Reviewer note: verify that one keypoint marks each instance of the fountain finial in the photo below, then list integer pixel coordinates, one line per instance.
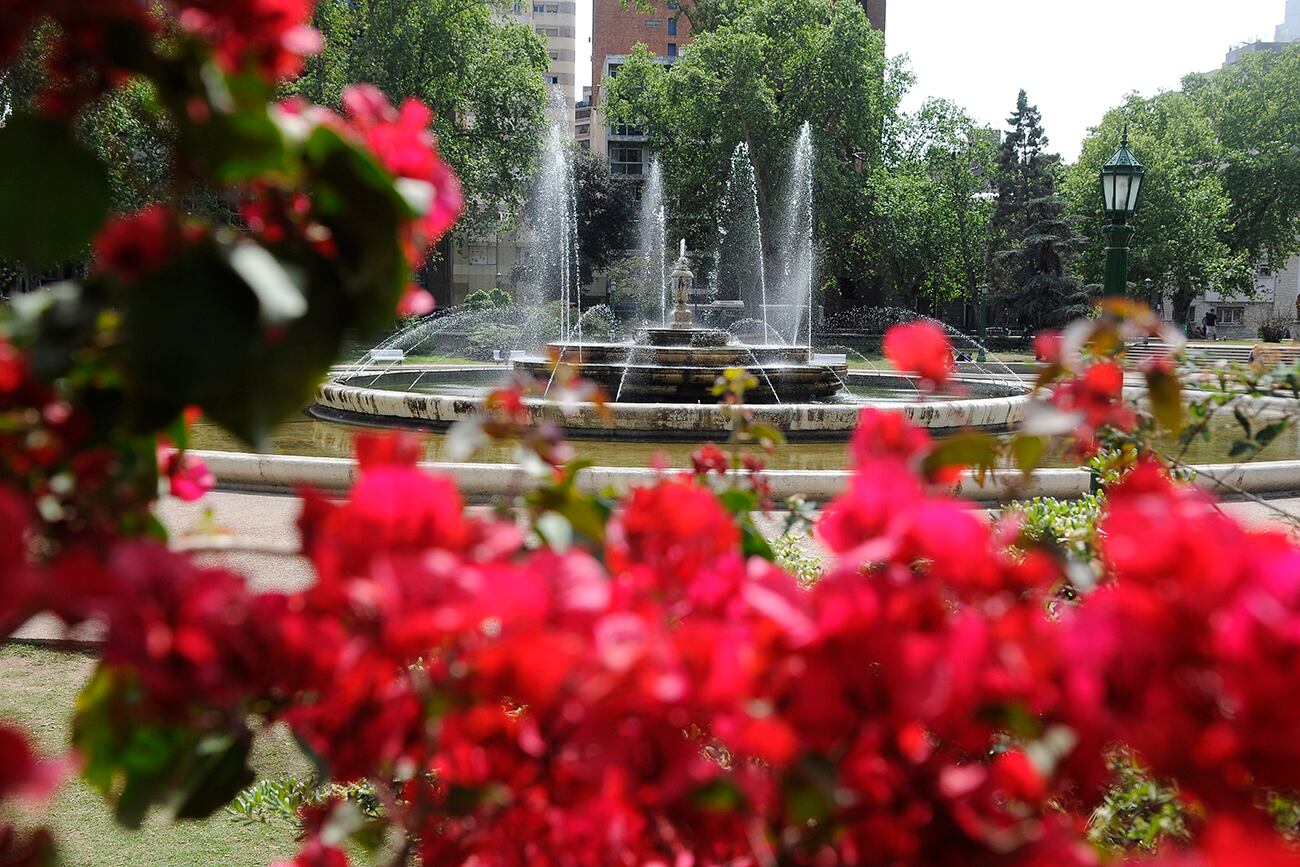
(682, 279)
(681, 249)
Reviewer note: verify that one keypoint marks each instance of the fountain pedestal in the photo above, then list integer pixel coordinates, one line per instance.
(682, 362)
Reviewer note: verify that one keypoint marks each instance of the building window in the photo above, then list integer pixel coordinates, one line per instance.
(547, 31)
(625, 160)
(672, 26)
(553, 8)
(672, 49)
(1263, 271)
(626, 130)
(1231, 317)
(582, 129)
(555, 55)
(654, 22)
(482, 254)
(539, 8)
(552, 79)
(519, 8)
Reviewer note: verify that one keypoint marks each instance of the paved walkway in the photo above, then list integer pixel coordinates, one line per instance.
(263, 524)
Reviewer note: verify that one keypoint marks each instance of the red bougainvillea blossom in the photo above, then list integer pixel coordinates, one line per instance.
(922, 348)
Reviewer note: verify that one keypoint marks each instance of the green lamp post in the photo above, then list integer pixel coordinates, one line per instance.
(1121, 183)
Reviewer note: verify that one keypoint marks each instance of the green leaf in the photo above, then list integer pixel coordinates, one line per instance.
(1166, 399)
(278, 287)
(55, 192)
(760, 431)
(1028, 451)
(356, 199)
(975, 450)
(738, 501)
(753, 543)
(218, 771)
(206, 345)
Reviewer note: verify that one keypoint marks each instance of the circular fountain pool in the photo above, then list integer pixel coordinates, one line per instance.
(433, 398)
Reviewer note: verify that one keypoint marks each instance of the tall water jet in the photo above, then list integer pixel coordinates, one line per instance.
(552, 269)
(797, 254)
(651, 237)
(738, 261)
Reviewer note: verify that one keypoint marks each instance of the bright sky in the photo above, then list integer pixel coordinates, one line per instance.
(1065, 53)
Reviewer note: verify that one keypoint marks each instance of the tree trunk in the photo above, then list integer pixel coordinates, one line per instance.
(1184, 295)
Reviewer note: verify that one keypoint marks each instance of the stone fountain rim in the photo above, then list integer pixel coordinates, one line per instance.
(344, 402)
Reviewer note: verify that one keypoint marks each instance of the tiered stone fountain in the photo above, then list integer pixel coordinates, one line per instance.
(680, 362)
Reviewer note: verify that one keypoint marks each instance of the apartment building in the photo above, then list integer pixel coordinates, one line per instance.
(556, 21)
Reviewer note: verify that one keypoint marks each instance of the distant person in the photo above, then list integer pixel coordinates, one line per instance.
(1211, 323)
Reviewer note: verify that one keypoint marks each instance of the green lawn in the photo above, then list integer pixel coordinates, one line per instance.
(37, 690)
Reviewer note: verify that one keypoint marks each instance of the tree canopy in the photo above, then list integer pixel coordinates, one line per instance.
(482, 78)
(1254, 109)
(1184, 223)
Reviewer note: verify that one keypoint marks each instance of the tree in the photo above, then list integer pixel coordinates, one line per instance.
(755, 78)
(1032, 241)
(481, 77)
(1184, 226)
(1254, 111)
(606, 208)
(934, 206)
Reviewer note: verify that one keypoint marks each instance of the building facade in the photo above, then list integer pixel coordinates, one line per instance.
(616, 29)
(556, 21)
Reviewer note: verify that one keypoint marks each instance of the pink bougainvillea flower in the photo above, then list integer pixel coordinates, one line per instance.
(1047, 347)
(272, 36)
(708, 458)
(22, 774)
(130, 246)
(415, 302)
(922, 348)
(188, 476)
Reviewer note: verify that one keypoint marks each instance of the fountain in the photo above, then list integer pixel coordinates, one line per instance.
(682, 361)
(660, 380)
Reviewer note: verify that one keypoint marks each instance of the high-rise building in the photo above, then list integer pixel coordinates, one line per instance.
(1289, 30)
(1286, 33)
(876, 13)
(556, 21)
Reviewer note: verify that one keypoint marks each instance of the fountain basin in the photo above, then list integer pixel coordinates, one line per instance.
(450, 395)
(681, 365)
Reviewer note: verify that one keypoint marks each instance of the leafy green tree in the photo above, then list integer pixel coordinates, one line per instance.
(760, 71)
(606, 210)
(1184, 225)
(1254, 109)
(934, 205)
(481, 76)
(1032, 240)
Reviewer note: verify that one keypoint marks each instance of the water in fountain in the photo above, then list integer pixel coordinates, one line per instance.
(651, 238)
(793, 299)
(738, 260)
(551, 273)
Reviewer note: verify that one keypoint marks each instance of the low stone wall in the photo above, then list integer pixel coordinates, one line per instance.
(480, 482)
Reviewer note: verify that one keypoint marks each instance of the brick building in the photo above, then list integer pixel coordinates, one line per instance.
(616, 28)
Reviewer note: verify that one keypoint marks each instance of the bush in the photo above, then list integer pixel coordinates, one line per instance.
(1275, 329)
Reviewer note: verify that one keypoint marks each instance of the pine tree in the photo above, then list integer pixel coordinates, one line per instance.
(1032, 241)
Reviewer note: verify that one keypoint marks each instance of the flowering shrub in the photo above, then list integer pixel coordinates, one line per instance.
(647, 687)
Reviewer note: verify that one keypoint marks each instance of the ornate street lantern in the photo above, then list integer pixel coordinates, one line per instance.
(1121, 184)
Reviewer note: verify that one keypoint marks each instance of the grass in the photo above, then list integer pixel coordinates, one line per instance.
(38, 689)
